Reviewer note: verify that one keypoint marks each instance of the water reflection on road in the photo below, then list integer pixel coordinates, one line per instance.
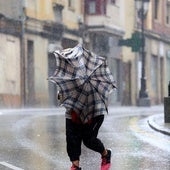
(37, 142)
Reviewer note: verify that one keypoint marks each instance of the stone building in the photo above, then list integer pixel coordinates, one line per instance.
(129, 80)
(104, 23)
(32, 30)
(9, 56)
(159, 50)
(157, 45)
(157, 34)
(44, 27)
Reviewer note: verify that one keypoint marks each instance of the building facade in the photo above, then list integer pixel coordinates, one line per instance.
(103, 34)
(157, 34)
(129, 70)
(9, 57)
(31, 30)
(159, 49)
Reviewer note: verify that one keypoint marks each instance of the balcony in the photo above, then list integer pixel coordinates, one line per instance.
(99, 14)
(103, 23)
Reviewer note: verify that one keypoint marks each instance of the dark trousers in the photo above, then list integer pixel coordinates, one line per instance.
(76, 133)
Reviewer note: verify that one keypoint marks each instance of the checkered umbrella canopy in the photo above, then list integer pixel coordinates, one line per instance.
(84, 80)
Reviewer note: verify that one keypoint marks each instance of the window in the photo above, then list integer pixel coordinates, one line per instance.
(139, 72)
(162, 78)
(30, 73)
(96, 6)
(92, 7)
(100, 43)
(154, 73)
(168, 12)
(113, 1)
(168, 66)
(103, 7)
(71, 4)
(156, 9)
(58, 12)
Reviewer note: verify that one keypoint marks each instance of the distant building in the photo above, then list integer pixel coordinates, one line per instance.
(10, 55)
(157, 32)
(105, 26)
(31, 30)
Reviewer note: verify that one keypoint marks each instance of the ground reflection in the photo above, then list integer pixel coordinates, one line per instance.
(37, 142)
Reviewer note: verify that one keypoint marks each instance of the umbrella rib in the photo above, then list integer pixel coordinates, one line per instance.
(99, 95)
(95, 69)
(105, 81)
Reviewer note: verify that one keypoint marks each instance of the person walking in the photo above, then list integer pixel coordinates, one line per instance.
(77, 132)
(85, 83)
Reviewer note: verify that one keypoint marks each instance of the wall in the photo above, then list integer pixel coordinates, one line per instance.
(157, 46)
(10, 71)
(11, 8)
(129, 58)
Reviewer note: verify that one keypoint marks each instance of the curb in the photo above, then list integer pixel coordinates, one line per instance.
(155, 126)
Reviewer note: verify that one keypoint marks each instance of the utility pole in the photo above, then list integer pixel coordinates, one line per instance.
(142, 7)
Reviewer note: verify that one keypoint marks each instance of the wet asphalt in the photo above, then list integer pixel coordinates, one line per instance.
(34, 139)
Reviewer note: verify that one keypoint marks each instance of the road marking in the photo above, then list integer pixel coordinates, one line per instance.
(10, 166)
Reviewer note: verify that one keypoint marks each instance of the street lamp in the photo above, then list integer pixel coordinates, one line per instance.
(142, 9)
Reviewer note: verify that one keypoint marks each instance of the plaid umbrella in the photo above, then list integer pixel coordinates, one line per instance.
(84, 80)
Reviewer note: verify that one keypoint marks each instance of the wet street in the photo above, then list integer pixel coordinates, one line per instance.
(34, 139)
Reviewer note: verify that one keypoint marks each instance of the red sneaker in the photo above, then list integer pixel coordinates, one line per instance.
(75, 168)
(106, 161)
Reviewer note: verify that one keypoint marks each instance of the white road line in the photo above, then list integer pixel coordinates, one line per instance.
(10, 166)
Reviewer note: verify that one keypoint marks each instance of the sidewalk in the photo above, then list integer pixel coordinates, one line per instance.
(157, 123)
